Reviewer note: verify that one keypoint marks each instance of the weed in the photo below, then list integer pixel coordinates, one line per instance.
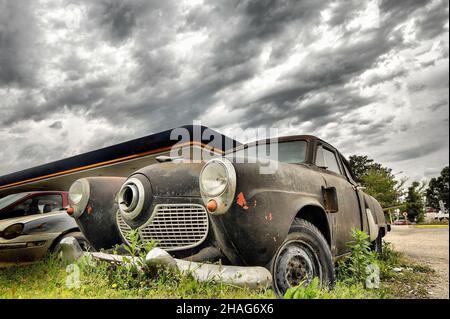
(355, 268)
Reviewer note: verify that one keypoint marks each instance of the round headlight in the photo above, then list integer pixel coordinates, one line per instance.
(12, 231)
(131, 198)
(76, 193)
(218, 185)
(79, 196)
(214, 178)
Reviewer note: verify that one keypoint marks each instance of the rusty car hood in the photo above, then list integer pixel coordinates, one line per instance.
(174, 179)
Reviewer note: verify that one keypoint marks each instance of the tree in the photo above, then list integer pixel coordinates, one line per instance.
(414, 202)
(438, 189)
(381, 185)
(377, 179)
(361, 164)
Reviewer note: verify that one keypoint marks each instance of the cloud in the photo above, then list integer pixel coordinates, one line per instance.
(19, 34)
(414, 152)
(56, 125)
(363, 75)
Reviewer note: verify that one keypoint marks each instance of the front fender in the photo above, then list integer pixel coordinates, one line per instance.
(260, 218)
(98, 220)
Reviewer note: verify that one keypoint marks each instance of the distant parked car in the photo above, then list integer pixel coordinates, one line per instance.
(441, 215)
(401, 222)
(32, 224)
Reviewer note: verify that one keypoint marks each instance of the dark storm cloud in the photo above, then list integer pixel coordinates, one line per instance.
(18, 34)
(78, 97)
(56, 125)
(125, 64)
(343, 12)
(117, 18)
(432, 23)
(437, 105)
(415, 152)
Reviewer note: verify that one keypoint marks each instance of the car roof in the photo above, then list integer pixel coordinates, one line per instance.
(309, 138)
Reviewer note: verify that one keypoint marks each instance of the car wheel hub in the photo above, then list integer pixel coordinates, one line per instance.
(296, 265)
(299, 268)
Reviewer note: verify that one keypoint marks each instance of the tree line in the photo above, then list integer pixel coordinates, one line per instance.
(380, 182)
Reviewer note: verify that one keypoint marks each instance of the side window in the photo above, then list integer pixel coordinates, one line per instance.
(47, 203)
(327, 159)
(36, 205)
(19, 210)
(347, 171)
(320, 160)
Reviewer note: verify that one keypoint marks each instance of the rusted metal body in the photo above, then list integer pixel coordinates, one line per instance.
(264, 207)
(99, 218)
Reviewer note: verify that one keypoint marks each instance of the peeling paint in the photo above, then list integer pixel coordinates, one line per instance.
(241, 201)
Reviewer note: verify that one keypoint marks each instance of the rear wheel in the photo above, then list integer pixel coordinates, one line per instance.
(304, 255)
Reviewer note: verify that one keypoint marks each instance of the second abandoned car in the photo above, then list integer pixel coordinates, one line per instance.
(32, 224)
(295, 221)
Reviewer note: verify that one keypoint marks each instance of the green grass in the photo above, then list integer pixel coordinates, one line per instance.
(47, 279)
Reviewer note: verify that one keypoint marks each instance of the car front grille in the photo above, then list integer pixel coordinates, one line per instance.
(173, 226)
(123, 227)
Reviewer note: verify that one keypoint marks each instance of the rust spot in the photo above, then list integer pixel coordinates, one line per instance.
(89, 210)
(269, 216)
(254, 203)
(241, 201)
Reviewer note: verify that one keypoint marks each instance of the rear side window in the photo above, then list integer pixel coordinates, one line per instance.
(48, 203)
(327, 159)
(40, 204)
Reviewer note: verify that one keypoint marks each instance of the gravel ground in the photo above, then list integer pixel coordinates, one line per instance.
(428, 246)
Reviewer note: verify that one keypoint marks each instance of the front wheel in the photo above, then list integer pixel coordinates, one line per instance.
(304, 255)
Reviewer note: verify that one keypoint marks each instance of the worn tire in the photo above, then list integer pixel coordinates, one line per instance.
(303, 255)
(78, 236)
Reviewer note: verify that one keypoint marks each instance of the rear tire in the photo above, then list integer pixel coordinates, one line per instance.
(303, 255)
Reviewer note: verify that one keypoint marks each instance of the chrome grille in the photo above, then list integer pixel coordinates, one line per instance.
(173, 226)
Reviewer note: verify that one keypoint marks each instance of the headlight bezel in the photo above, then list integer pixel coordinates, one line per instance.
(82, 196)
(202, 182)
(224, 198)
(132, 211)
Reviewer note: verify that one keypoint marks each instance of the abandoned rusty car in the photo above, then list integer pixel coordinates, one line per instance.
(295, 220)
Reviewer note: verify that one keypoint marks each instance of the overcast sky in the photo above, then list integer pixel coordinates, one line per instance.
(369, 77)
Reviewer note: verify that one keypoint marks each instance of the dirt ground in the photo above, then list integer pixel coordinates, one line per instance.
(428, 246)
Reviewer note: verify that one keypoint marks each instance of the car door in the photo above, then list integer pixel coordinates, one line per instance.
(348, 215)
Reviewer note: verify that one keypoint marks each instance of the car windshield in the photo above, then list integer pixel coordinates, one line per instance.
(293, 152)
(8, 200)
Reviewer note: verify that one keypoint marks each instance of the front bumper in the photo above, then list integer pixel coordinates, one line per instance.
(252, 277)
(26, 248)
(23, 252)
